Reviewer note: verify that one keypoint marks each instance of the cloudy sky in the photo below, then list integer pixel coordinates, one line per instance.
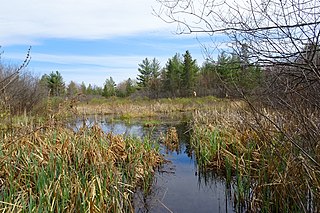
(89, 40)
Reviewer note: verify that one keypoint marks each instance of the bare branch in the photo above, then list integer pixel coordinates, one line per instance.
(15, 74)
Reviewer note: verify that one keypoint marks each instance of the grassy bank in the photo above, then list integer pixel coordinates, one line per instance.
(47, 167)
(270, 173)
(146, 108)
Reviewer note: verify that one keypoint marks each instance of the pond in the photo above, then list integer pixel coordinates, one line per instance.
(178, 185)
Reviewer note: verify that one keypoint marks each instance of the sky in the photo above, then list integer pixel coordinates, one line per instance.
(90, 40)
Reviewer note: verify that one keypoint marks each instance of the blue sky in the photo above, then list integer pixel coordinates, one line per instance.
(89, 41)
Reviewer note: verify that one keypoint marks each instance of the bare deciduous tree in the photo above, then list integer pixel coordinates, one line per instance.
(19, 90)
(282, 32)
(283, 38)
(280, 36)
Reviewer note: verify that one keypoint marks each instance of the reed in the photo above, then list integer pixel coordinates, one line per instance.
(146, 108)
(266, 170)
(48, 167)
(171, 140)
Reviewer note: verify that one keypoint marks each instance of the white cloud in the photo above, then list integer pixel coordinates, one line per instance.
(81, 68)
(103, 61)
(35, 22)
(88, 68)
(25, 21)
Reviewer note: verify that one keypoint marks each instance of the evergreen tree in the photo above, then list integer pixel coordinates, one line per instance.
(190, 70)
(130, 88)
(145, 70)
(89, 90)
(149, 71)
(125, 88)
(96, 90)
(72, 89)
(83, 88)
(236, 72)
(208, 81)
(109, 88)
(222, 64)
(172, 76)
(155, 68)
(54, 83)
(154, 84)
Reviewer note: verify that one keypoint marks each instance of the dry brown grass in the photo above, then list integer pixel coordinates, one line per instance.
(171, 139)
(269, 171)
(48, 167)
(126, 108)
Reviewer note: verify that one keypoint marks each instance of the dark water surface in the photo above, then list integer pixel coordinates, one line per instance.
(178, 185)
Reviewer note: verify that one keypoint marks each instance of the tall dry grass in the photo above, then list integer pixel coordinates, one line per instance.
(270, 171)
(48, 167)
(140, 108)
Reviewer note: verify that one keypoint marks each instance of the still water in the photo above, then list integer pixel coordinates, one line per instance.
(178, 185)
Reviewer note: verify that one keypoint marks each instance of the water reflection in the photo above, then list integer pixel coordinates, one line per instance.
(178, 186)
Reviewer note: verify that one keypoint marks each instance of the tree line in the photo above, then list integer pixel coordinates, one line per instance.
(55, 86)
(181, 76)
(230, 75)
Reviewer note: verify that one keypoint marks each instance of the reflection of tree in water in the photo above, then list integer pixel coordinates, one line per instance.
(184, 136)
(206, 178)
(145, 201)
(151, 200)
(213, 179)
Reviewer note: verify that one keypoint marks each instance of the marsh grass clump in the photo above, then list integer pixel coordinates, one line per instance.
(268, 172)
(51, 168)
(151, 123)
(171, 139)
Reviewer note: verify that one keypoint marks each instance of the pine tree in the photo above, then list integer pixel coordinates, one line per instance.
(54, 83)
(173, 71)
(149, 76)
(109, 88)
(155, 68)
(72, 89)
(145, 70)
(129, 87)
(190, 70)
(83, 88)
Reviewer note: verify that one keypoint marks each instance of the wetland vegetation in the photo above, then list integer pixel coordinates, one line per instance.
(46, 166)
(252, 115)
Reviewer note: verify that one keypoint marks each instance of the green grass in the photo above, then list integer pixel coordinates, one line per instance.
(151, 123)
